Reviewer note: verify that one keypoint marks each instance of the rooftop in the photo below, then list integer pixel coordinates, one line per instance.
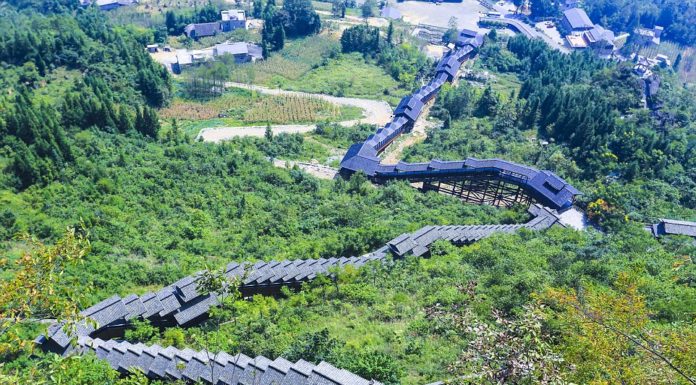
(391, 13)
(576, 41)
(577, 18)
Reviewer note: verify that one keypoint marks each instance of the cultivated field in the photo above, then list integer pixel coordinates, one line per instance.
(295, 60)
(248, 107)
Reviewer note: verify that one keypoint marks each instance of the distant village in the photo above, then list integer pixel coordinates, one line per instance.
(582, 34)
(574, 31)
(230, 20)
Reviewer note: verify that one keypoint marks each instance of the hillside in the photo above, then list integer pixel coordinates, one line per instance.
(133, 253)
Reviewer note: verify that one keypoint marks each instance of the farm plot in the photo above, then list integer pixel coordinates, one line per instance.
(669, 49)
(250, 107)
(296, 59)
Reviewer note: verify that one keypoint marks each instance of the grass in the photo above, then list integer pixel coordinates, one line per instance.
(687, 68)
(505, 84)
(322, 6)
(348, 75)
(314, 64)
(57, 83)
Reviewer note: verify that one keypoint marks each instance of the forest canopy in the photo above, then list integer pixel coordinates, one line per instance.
(100, 195)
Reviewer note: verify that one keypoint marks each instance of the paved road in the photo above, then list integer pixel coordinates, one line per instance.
(523, 28)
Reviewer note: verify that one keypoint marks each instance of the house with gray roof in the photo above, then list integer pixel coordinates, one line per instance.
(107, 5)
(673, 227)
(575, 20)
(243, 52)
(229, 21)
(600, 39)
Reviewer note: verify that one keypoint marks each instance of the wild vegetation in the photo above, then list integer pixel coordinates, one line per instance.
(87, 144)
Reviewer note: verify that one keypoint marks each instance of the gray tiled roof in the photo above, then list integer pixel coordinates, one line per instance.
(577, 18)
(542, 186)
(159, 363)
(107, 311)
(673, 227)
(418, 243)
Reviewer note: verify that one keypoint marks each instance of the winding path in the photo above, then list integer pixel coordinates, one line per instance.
(374, 112)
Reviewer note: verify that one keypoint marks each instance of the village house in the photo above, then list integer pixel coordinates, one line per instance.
(583, 33)
(390, 13)
(107, 5)
(241, 51)
(229, 21)
(646, 36)
(576, 21)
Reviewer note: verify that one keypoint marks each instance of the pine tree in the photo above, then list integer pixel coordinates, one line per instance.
(269, 133)
(279, 38)
(390, 33)
(170, 21)
(488, 103)
(258, 9)
(149, 123)
(125, 122)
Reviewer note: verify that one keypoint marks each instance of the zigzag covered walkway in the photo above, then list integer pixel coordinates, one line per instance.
(169, 363)
(182, 304)
(493, 181)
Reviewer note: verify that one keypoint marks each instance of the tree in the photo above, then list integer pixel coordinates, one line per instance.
(338, 8)
(279, 38)
(170, 21)
(367, 8)
(258, 9)
(125, 121)
(39, 287)
(147, 122)
(361, 38)
(450, 36)
(268, 135)
(390, 33)
(543, 8)
(299, 18)
(488, 103)
(609, 334)
(226, 292)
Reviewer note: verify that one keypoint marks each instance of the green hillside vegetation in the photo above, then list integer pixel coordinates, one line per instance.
(87, 145)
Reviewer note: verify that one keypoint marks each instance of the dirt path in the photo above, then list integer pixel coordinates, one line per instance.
(318, 170)
(216, 134)
(395, 151)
